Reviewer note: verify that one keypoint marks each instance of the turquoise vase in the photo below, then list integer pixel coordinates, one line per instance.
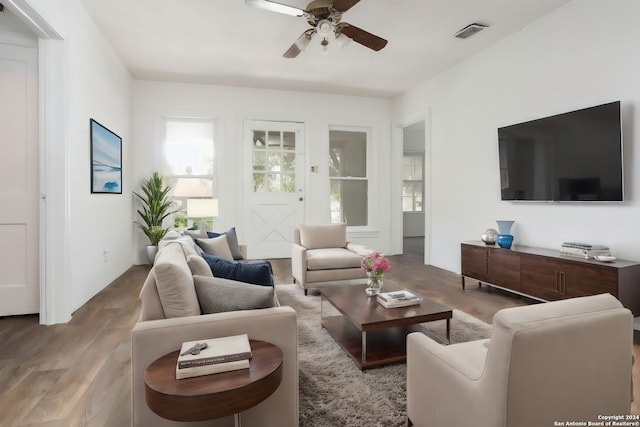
(505, 241)
(505, 238)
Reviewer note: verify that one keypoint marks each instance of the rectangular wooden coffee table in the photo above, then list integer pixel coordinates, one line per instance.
(371, 334)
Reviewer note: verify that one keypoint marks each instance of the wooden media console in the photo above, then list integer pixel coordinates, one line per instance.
(546, 275)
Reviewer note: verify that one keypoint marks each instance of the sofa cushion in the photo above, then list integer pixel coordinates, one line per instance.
(232, 240)
(186, 241)
(323, 236)
(195, 234)
(198, 266)
(332, 258)
(172, 235)
(217, 295)
(175, 282)
(257, 273)
(217, 246)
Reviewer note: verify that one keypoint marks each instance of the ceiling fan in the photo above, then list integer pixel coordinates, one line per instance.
(325, 17)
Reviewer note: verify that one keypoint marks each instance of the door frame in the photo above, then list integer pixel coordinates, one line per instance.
(53, 147)
(396, 177)
(301, 177)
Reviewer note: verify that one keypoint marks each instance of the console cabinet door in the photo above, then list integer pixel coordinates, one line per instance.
(554, 279)
(584, 280)
(543, 278)
(504, 268)
(475, 262)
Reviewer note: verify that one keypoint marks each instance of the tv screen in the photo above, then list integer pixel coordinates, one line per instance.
(575, 156)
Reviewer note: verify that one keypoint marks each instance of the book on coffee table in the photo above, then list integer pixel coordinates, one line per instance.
(396, 299)
(205, 357)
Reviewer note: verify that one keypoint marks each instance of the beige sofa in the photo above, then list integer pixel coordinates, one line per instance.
(554, 362)
(171, 315)
(321, 256)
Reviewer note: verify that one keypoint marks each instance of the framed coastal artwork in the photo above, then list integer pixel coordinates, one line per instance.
(106, 160)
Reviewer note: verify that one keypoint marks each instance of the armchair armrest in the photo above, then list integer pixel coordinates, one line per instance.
(299, 263)
(359, 249)
(152, 339)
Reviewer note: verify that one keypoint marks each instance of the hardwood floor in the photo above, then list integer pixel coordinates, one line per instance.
(79, 374)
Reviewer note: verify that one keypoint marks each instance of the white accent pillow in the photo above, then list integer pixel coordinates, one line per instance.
(217, 246)
(199, 266)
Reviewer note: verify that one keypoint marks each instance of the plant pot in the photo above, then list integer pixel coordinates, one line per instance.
(152, 250)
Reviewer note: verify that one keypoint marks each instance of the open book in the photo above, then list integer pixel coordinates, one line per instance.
(395, 299)
(204, 357)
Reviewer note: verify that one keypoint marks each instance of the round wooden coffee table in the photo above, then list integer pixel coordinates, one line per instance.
(212, 396)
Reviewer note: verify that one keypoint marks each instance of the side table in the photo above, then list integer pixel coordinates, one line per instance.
(212, 396)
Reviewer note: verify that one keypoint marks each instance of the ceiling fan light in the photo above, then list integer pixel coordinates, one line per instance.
(343, 41)
(324, 27)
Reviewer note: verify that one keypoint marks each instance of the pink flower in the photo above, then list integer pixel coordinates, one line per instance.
(375, 263)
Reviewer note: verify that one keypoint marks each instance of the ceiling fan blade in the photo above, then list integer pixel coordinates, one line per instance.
(363, 37)
(299, 45)
(275, 7)
(344, 5)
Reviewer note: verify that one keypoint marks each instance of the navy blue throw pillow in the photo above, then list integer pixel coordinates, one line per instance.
(257, 273)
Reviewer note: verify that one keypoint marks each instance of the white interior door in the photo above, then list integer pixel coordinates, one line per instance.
(19, 265)
(274, 194)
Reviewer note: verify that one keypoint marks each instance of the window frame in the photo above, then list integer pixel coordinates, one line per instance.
(420, 182)
(172, 178)
(369, 176)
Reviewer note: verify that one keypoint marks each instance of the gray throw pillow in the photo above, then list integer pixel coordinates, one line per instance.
(217, 295)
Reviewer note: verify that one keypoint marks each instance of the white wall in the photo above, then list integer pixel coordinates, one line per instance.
(229, 107)
(581, 55)
(94, 84)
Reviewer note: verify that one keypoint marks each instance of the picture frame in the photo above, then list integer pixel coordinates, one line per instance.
(106, 160)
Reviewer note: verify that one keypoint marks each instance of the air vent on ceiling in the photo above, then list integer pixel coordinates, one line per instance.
(470, 30)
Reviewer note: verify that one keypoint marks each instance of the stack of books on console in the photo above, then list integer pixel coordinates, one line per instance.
(584, 250)
(212, 356)
(395, 299)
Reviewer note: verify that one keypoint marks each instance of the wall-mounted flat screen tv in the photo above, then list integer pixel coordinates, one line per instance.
(575, 156)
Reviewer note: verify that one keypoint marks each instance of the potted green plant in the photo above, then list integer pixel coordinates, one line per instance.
(156, 206)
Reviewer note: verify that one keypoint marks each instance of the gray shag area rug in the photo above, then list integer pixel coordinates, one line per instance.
(334, 391)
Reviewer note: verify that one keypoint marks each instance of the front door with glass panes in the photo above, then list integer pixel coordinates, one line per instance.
(274, 195)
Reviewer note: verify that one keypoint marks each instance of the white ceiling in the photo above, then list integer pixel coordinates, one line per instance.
(224, 42)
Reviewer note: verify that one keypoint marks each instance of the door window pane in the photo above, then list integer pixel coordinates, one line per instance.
(289, 141)
(274, 161)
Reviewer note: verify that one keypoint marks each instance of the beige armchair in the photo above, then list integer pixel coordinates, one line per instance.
(321, 256)
(560, 361)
